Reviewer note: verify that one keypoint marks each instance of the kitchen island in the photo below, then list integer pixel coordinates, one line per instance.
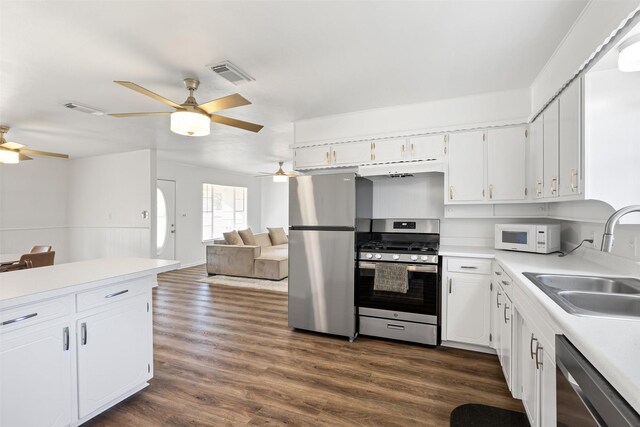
(75, 339)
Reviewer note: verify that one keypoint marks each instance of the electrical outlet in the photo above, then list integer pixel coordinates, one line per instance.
(593, 237)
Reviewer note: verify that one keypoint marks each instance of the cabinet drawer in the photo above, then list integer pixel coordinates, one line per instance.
(501, 276)
(112, 293)
(30, 314)
(398, 330)
(469, 265)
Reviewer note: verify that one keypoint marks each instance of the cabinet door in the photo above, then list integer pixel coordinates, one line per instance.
(35, 377)
(529, 373)
(494, 310)
(393, 150)
(312, 157)
(547, 388)
(468, 309)
(506, 152)
(352, 153)
(466, 166)
(428, 147)
(550, 143)
(536, 158)
(114, 353)
(570, 139)
(505, 338)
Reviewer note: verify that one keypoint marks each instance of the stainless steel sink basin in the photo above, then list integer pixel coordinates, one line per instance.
(591, 295)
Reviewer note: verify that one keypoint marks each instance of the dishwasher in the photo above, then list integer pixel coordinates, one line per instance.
(584, 397)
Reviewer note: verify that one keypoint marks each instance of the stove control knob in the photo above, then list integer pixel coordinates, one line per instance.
(424, 258)
(414, 257)
(378, 256)
(369, 256)
(396, 257)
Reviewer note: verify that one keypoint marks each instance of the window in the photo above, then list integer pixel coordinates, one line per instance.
(223, 209)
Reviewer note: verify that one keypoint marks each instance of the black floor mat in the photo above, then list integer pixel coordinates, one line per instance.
(474, 415)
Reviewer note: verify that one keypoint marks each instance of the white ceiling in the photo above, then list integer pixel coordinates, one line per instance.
(309, 59)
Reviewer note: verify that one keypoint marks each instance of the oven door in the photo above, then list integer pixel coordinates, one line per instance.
(421, 297)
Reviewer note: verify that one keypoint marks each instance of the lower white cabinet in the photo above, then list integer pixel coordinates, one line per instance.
(505, 350)
(466, 298)
(114, 352)
(35, 376)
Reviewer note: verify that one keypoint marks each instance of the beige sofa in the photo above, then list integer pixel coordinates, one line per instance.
(263, 261)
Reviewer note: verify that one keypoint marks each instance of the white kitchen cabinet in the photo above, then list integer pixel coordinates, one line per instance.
(536, 158)
(35, 375)
(551, 142)
(389, 150)
(547, 388)
(466, 167)
(570, 140)
(468, 309)
(428, 147)
(114, 352)
(506, 164)
(506, 334)
(351, 154)
(312, 157)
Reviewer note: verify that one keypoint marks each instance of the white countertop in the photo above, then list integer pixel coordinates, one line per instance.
(22, 286)
(611, 345)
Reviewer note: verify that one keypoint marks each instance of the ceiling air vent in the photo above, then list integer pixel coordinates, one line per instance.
(232, 73)
(83, 109)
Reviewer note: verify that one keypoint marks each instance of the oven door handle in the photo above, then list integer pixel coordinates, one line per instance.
(410, 267)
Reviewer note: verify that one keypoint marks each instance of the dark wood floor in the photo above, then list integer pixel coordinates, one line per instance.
(225, 356)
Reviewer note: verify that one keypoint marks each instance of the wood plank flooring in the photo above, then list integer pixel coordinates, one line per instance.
(225, 356)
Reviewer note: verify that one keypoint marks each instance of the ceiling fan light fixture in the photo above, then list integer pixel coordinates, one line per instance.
(190, 123)
(629, 54)
(280, 178)
(9, 156)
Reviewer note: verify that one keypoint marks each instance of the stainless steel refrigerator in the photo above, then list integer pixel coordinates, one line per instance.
(324, 212)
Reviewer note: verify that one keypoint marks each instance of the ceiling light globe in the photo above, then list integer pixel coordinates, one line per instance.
(7, 156)
(629, 55)
(280, 178)
(189, 123)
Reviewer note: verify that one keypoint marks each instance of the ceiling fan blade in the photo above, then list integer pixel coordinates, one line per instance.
(147, 92)
(12, 145)
(43, 153)
(231, 101)
(236, 123)
(22, 157)
(120, 115)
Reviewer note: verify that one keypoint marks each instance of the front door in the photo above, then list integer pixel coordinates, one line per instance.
(166, 239)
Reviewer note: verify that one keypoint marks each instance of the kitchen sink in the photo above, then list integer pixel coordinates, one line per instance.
(591, 295)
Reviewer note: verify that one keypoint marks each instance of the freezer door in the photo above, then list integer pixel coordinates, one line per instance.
(322, 200)
(321, 281)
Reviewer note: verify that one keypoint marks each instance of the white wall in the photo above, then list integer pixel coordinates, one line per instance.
(33, 206)
(274, 203)
(458, 113)
(107, 195)
(189, 179)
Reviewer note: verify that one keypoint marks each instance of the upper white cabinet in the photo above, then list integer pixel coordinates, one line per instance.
(536, 158)
(551, 141)
(506, 171)
(570, 172)
(466, 166)
(352, 154)
(312, 157)
(390, 150)
(428, 147)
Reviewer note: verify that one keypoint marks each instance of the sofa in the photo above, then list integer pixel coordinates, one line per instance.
(262, 260)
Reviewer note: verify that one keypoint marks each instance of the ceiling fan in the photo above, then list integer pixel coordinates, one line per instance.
(12, 152)
(280, 175)
(191, 118)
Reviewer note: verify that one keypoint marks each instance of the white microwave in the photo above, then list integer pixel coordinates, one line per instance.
(538, 238)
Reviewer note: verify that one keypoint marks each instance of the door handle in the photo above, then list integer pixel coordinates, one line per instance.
(574, 184)
(65, 339)
(449, 284)
(491, 191)
(469, 267)
(83, 334)
(498, 299)
(116, 294)
(531, 345)
(538, 362)
(396, 327)
(506, 307)
(18, 319)
(451, 192)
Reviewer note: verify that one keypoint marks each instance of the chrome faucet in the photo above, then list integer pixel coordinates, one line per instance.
(607, 238)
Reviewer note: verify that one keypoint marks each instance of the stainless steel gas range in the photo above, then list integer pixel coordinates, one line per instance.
(398, 281)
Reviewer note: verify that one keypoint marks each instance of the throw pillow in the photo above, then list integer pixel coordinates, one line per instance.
(233, 238)
(277, 236)
(247, 237)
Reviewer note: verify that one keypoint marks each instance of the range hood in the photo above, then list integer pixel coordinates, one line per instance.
(398, 170)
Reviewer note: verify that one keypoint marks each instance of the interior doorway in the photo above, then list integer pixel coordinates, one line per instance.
(166, 211)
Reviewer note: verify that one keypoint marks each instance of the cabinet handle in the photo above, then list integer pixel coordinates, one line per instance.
(327, 157)
(538, 361)
(445, 144)
(116, 294)
(506, 307)
(65, 339)
(396, 327)
(402, 148)
(498, 299)
(531, 345)
(412, 150)
(539, 188)
(469, 267)
(491, 191)
(498, 273)
(451, 192)
(449, 284)
(18, 319)
(574, 183)
(83, 334)
(335, 156)
(504, 282)
(554, 185)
